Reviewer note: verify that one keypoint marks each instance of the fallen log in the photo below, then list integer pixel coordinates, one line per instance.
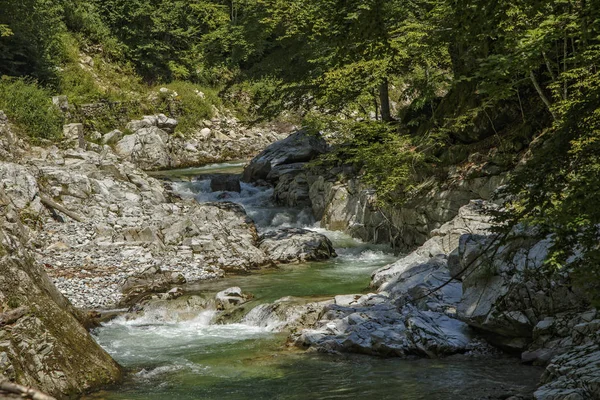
(23, 391)
(48, 202)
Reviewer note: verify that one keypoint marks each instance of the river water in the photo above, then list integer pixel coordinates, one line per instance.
(197, 359)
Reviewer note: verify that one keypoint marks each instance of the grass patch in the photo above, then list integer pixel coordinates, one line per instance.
(30, 108)
(193, 104)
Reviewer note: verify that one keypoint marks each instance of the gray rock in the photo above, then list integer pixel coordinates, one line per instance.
(63, 359)
(299, 147)
(112, 137)
(296, 245)
(225, 183)
(230, 298)
(147, 148)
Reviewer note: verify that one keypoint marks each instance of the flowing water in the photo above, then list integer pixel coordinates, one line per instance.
(196, 359)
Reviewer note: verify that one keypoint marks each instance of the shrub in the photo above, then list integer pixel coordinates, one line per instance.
(195, 103)
(30, 107)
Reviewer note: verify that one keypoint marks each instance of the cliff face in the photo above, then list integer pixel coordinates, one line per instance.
(42, 343)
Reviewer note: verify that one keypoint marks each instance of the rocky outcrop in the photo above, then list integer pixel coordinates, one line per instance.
(349, 206)
(153, 143)
(43, 344)
(230, 298)
(414, 311)
(284, 156)
(507, 292)
(296, 245)
(97, 220)
(223, 138)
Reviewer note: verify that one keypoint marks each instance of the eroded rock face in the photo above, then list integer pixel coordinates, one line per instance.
(414, 311)
(296, 245)
(120, 222)
(506, 291)
(300, 147)
(147, 147)
(43, 344)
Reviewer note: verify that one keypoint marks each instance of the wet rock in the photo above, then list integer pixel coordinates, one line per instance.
(299, 147)
(230, 298)
(225, 183)
(286, 314)
(296, 245)
(152, 280)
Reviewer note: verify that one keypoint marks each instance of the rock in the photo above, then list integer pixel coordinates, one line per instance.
(73, 133)
(299, 147)
(166, 124)
(225, 183)
(147, 148)
(506, 291)
(46, 347)
(136, 288)
(205, 133)
(296, 245)
(230, 298)
(112, 137)
(286, 314)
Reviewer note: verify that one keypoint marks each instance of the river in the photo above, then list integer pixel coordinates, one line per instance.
(198, 359)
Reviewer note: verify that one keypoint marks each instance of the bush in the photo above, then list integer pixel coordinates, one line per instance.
(30, 107)
(194, 103)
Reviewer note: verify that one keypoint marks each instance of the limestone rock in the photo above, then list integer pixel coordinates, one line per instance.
(147, 148)
(297, 148)
(296, 245)
(230, 298)
(112, 137)
(46, 347)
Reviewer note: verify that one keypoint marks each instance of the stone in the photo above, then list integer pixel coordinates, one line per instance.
(205, 133)
(112, 137)
(296, 245)
(229, 298)
(299, 147)
(166, 124)
(225, 183)
(147, 148)
(67, 361)
(74, 133)
(61, 102)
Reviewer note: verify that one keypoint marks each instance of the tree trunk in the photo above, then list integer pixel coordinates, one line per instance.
(384, 99)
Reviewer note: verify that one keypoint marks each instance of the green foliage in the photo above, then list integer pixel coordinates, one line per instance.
(29, 44)
(30, 108)
(192, 104)
(389, 161)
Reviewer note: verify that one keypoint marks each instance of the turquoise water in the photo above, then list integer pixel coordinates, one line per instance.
(197, 359)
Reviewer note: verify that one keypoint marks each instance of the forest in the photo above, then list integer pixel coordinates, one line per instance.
(405, 86)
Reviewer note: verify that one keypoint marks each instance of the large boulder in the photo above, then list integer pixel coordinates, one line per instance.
(147, 148)
(225, 183)
(374, 325)
(506, 289)
(43, 343)
(299, 147)
(296, 245)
